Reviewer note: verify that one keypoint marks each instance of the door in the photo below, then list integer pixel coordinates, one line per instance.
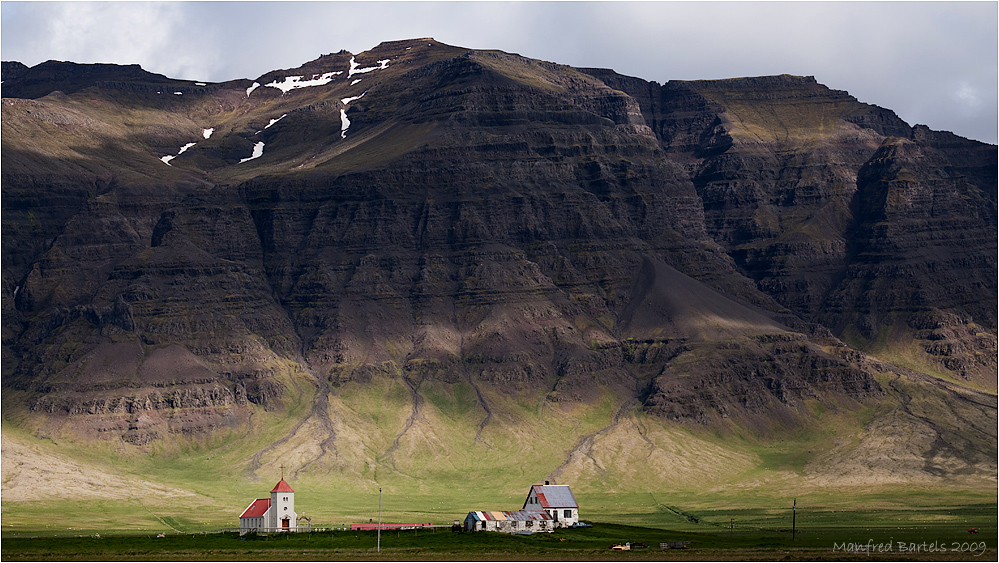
(285, 523)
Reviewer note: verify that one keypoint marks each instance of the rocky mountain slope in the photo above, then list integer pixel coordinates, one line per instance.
(422, 256)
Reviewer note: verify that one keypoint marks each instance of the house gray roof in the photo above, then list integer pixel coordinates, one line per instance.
(555, 496)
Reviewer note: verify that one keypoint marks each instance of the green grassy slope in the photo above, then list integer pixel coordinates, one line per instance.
(624, 466)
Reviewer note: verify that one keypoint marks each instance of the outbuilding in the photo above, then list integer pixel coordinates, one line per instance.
(509, 521)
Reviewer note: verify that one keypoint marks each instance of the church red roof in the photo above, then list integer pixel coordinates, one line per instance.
(282, 487)
(257, 508)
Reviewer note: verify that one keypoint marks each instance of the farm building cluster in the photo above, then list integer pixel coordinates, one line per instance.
(546, 508)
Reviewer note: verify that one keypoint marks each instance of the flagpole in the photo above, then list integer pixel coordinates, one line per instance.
(379, 548)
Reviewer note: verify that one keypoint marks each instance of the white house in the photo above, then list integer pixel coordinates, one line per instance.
(556, 500)
(275, 514)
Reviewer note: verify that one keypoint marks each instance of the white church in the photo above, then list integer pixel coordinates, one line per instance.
(275, 514)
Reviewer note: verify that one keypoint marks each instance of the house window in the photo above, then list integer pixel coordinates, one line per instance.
(286, 499)
(567, 514)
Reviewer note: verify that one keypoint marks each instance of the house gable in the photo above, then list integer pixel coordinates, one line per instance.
(550, 496)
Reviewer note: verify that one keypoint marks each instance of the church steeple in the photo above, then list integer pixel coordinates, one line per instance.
(282, 511)
(282, 487)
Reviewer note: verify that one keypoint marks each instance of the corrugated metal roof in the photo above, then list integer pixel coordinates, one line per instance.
(534, 515)
(507, 515)
(555, 496)
(480, 515)
(257, 508)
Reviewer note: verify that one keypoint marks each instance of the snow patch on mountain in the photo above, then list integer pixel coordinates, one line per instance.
(382, 64)
(273, 121)
(344, 122)
(208, 132)
(292, 82)
(258, 151)
(166, 159)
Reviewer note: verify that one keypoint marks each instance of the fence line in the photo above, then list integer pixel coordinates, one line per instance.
(340, 528)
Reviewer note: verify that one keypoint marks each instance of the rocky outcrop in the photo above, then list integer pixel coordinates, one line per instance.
(861, 226)
(67, 77)
(173, 399)
(759, 384)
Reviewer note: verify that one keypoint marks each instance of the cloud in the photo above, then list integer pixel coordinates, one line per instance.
(105, 31)
(156, 35)
(967, 96)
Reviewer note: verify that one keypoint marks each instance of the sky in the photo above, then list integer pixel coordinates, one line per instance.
(933, 63)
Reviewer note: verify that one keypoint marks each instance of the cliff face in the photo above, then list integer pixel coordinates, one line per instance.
(491, 226)
(842, 212)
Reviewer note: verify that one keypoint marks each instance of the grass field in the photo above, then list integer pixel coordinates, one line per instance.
(937, 541)
(640, 479)
(904, 525)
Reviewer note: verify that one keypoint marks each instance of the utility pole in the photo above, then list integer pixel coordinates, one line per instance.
(794, 513)
(379, 545)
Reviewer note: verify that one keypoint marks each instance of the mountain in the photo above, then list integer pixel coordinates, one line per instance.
(405, 265)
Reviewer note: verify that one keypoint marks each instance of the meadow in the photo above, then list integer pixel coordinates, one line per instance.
(904, 526)
(729, 497)
(930, 542)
